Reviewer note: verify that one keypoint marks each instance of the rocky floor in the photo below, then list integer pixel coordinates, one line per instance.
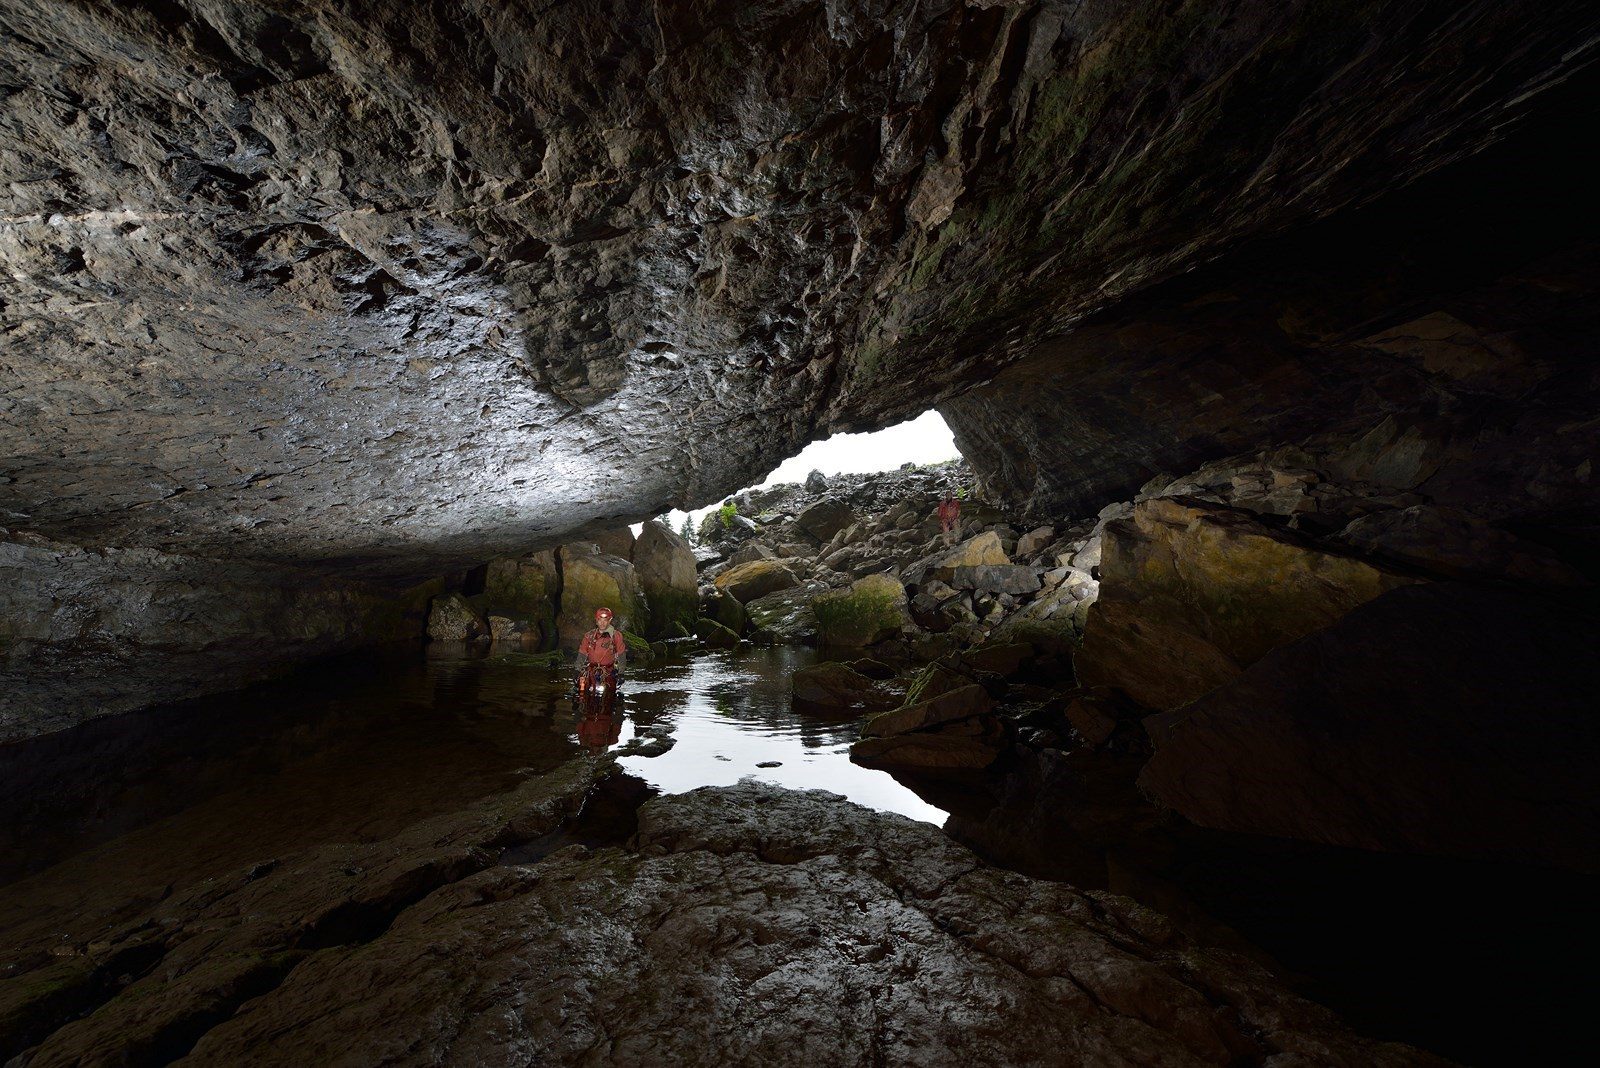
(739, 925)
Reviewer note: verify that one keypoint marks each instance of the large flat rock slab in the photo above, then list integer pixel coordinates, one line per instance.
(753, 925)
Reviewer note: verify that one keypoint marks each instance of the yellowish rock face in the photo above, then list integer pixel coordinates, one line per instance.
(755, 578)
(1191, 594)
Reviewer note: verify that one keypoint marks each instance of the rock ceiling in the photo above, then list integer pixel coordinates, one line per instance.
(388, 286)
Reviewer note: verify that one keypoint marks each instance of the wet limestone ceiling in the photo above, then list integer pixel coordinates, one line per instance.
(389, 286)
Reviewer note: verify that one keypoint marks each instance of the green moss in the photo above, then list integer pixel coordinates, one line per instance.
(638, 648)
(714, 634)
(871, 610)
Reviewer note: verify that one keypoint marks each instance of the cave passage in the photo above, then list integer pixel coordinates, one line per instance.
(1078, 525)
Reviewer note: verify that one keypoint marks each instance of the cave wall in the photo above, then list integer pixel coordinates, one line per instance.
(1458, 315)
(85, 633)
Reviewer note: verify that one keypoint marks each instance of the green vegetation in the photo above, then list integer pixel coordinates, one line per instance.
(726, 513)
(872, 609)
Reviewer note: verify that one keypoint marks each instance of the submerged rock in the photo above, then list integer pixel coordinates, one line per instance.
(831, 685)
(972, 745)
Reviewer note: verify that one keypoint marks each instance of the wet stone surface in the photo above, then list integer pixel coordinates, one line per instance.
(442, 860)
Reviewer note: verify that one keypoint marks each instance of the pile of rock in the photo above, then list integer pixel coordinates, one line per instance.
(857, 561)
(547, 599)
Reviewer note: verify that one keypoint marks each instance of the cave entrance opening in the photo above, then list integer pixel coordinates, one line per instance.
(922, 441)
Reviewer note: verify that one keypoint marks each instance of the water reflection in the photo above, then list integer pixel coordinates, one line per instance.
(360, 749)
(730, 716)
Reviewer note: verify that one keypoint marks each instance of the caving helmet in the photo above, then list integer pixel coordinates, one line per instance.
(602, 617)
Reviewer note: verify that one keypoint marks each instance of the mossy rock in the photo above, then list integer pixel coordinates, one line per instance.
(871, 610)
(727, 609)
(786, 616)
(639, 648)
(454, 618)
(592, 580)
(756, 578)
(525, 587)
(714, 634)
(933, 680)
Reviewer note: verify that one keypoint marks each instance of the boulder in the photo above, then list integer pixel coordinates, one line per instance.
(1000, 658)
(786, 616)
(506, 629)
(453, 618)
(871, 609)
(872, 669)
(932, 751)
(963, 702)
(725, 608)
(1191, 593)
(714, 634)
(717, 530)
(937, 678)
(615, 542)
(1034, 541)
(591, 579)
(1093, 716)
(665, 566)
(976, 551)
(527, 588)
(825, 518)
(640, 651)
(995, 578)
(751, 550)
(837, 687)
(1479, 741)
(755, 579)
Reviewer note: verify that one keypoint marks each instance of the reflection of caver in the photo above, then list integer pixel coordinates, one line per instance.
(599, 726)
